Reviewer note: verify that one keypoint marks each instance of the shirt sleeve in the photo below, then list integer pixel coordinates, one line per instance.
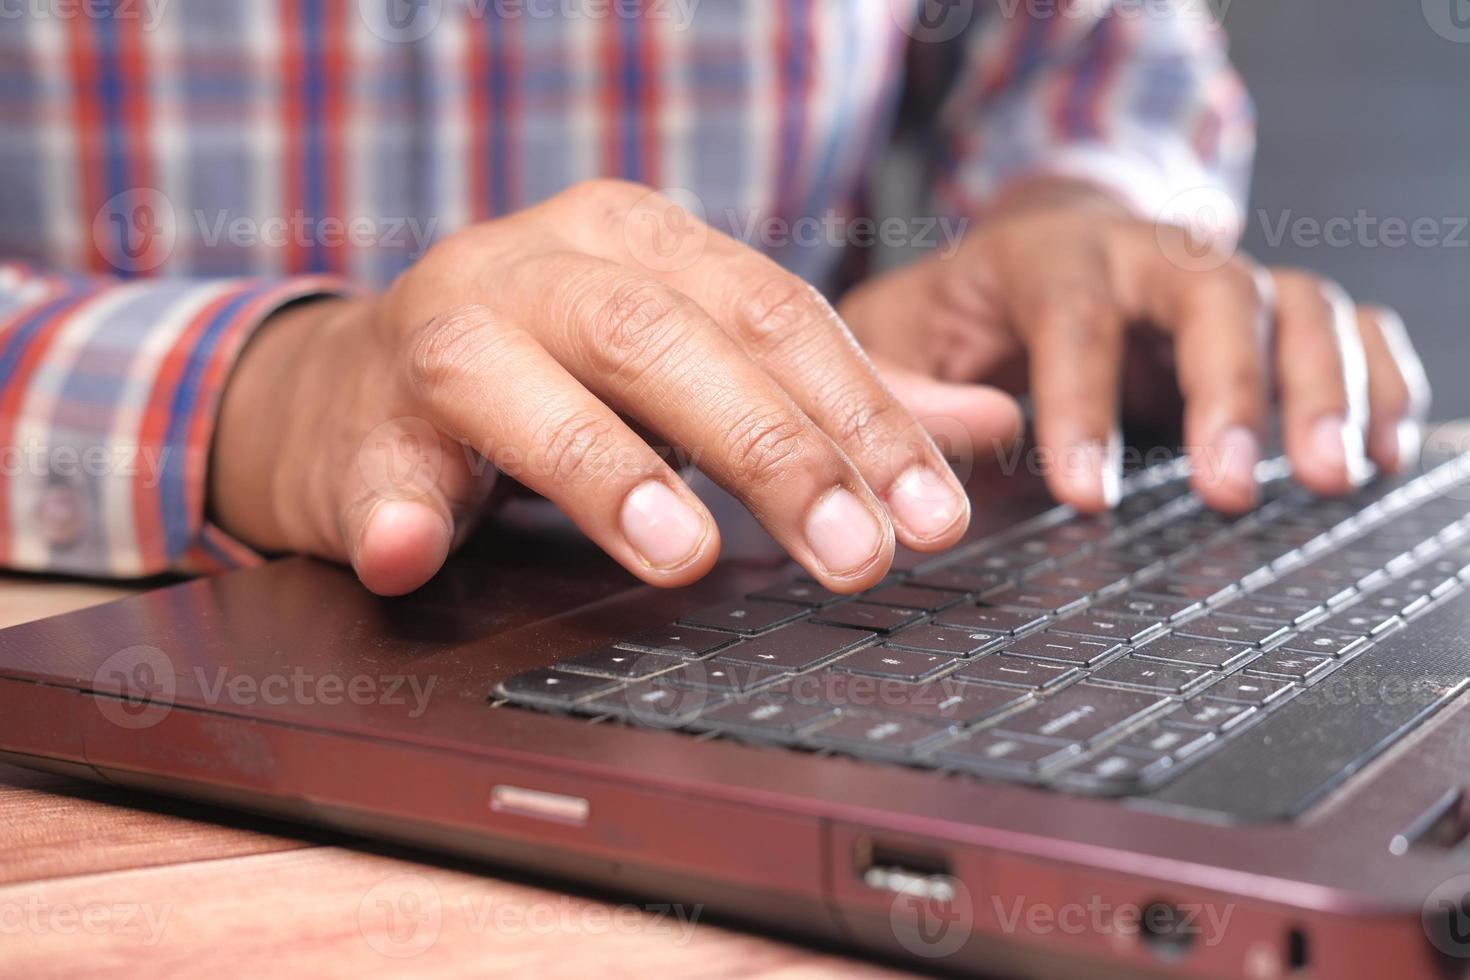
(1139, 98)
(109, 391)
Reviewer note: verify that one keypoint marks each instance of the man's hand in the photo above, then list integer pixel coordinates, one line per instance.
(1048, 293)
(360, 430)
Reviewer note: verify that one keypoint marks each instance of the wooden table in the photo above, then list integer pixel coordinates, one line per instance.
(94, 881)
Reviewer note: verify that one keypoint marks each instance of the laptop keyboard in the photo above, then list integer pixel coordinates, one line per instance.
(1102, 655)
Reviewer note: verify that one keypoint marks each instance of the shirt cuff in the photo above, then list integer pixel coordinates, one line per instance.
(109, 395)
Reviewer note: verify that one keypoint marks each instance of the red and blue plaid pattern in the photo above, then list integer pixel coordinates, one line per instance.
(176, 171)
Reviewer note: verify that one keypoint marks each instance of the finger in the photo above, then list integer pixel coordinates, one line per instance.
(654, 353)
(1322, 377)
(1220, 320)
(965, 420)
(791, 331)
(1398, 389)
(393, 514)
(491, 383)
(795, 335)
(1074, 336)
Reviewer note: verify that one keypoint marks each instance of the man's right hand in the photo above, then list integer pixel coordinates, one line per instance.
(529, 340)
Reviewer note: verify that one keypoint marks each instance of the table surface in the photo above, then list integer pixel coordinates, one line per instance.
(97, 881)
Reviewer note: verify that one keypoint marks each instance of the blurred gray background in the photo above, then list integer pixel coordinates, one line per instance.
(1364, 106)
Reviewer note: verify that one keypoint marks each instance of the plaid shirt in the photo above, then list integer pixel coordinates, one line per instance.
(177, 170)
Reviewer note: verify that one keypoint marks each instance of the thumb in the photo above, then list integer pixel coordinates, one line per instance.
(967, 420)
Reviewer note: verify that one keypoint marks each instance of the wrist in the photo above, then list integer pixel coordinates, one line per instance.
(253, 431)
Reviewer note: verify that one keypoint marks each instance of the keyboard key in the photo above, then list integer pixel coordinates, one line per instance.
(1360, 620)
(766, 715)
(1158, 740)
(868, 735)
(1153, 675)
(1325, 643)
(1155, 608)
(799, 592)
(1216, 570)
(987, 753)
(860, 615)
(1005, 562)
(1050, 645)
(554, 687)
(937, 639)
(1185, 590)
(679, 641)
(907, 665)
(1114, 773)
(623, 664)
(1300, 667)
(713, 675)
(986, 619)
(657, 704)
(910, 597)
(1082, 713)
(948, 702)
(1201, 653)
(1232, 630)
(745, 615)
(795, 648)
(1249, 690)
(1110, 566)
(1305, 589)
(1021, 597)
(1277, 611)
(1022, 672)
(1108, 626)
(1206, 715)
(961, 580)
(1072, 581)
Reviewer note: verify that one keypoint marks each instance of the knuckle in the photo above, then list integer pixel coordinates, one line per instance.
(1083, 316)
(777, 309)
(603, 196)
(866, 421)
(635, 324)
(574, 444)
(439, 350)
(762, 445)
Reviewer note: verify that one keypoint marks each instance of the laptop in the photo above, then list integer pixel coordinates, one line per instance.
(1162, 741)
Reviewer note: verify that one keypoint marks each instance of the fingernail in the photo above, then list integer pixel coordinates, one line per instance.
(1239, 451)
(1398, 441)
(926, 502)
(660, 526)
(843, 533)
(1339, 445)
(1098, 473)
